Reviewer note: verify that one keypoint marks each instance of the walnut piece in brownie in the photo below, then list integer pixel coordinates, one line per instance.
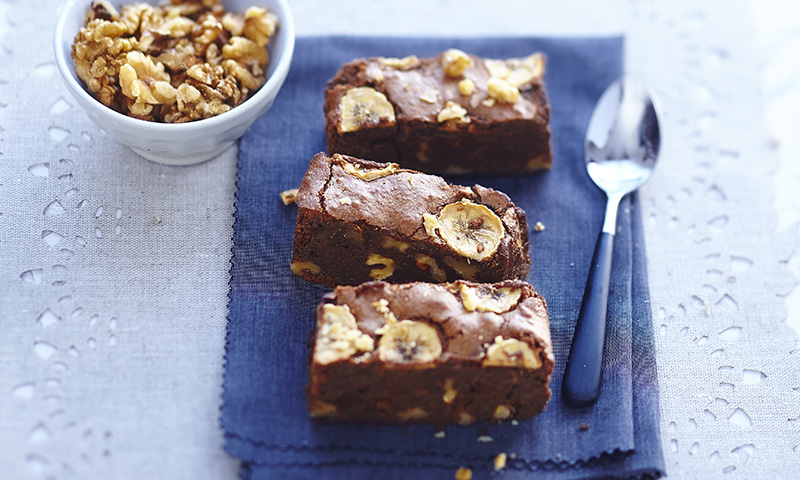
(453, 113)
(431, 353)
(360, 220)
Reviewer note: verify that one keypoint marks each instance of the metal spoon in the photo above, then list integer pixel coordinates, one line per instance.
(621, 148)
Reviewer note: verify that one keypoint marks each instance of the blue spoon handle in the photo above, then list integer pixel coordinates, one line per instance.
(581, 385)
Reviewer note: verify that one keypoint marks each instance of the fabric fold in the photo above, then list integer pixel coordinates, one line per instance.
(272, 311)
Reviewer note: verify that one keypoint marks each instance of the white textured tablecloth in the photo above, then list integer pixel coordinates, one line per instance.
(114, 270)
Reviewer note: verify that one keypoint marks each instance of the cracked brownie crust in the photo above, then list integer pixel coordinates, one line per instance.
(431, 353)
(453, 113)
(360, 220)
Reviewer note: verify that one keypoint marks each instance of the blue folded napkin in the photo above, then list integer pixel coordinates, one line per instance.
(271, 315)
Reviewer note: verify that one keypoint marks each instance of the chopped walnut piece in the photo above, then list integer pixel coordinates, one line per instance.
(368, 174)
(140, 17)
(234, 23)
(500, 461)
(463, 473)
(299, 267)
(245, 76)
(430, 96)
(188, 94)
(452, 111)
(466, 87)
(502, 90)
(424, 262)
(288, 196)
(338, 336)
(414, 413)
(455, 62)
(189, 58)
(175, 27)
(450, 393)
(322, 409)
(175, 59)
(519, 72)
(192, 7)
(145, 82)
(404, 63)
(103, 10)
(246, 51)
(205, 33)
(203, 73)
(524, 70)
(259, 25)
(385, 266)
(502, 412)
(465, 418)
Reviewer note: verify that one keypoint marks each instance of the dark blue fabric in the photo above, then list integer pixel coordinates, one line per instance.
(272, 311)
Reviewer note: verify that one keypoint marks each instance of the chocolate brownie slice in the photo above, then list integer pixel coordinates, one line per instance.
(453, 113)
(431, 353)
(360, 220)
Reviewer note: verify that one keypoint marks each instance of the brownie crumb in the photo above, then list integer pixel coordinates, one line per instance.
(583, 427)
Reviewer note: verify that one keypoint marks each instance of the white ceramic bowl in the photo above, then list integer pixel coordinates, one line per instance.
(183, 143)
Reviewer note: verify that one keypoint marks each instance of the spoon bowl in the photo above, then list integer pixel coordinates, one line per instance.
(622, 144)
(623, 138)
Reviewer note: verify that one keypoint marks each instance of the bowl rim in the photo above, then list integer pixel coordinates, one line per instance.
(251, 106)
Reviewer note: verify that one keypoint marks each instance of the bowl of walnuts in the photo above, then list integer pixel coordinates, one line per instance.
(179, 81)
